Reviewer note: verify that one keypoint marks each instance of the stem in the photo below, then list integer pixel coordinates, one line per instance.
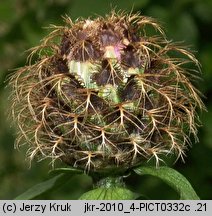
(109, 188)
(110, 182)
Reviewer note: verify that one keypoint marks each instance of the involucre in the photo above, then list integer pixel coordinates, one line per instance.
(104, 93)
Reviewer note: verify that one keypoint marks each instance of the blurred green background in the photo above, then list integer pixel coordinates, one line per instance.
(21, 27)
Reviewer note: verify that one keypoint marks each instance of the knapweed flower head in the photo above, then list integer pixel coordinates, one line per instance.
(104, 93)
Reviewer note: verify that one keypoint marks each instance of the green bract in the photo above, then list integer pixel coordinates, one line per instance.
(103, 94)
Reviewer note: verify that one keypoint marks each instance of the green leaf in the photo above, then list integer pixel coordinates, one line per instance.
(43, 187)
(69, 170)
(173, 178)
(57, 181)
(113, 193)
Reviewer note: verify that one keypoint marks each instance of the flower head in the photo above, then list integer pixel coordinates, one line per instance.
(103, 93)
